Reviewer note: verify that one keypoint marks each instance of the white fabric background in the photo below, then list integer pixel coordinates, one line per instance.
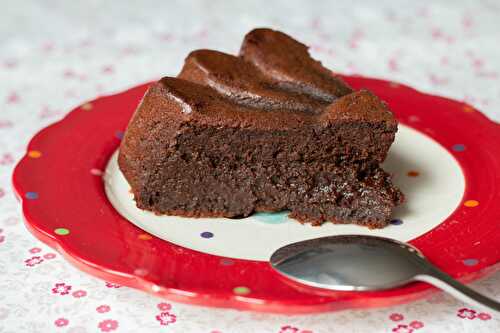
(55, 55)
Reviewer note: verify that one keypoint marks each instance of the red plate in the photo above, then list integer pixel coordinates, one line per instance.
(64, 205)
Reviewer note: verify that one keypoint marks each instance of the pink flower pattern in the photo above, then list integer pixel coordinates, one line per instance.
(61, 322)
(13, 98)
(465, 313)
(108, 69)
(35, 250)
(402, 329)
(48, 113)
(416, 324)
(396, 317)
(470, 314)
(164, 306)
(6, 159)
(112, 285)
(61, 289)
(49, 256)
(33, 261)
(103, 308)
(289, 329)
(166, 318)
(484, 316)
(108, 325)
(79, 293)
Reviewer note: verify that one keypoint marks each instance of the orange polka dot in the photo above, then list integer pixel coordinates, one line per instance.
(471, 203)
(468, 108)
(34, 154)
(413, 173)
(87, 106)
(145, 237)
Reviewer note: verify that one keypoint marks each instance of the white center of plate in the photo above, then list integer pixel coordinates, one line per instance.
(431, 196)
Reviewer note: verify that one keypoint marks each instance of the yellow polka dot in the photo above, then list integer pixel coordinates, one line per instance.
(413, 173)
(145, 237)
(468, 108)
(241, 290)
(34, 154)
(471, 203)
(62, 231)
(87, 106)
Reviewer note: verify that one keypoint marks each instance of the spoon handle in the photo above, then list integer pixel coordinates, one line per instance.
(458, 290)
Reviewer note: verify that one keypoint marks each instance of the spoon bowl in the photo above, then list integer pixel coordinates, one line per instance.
(365, 263)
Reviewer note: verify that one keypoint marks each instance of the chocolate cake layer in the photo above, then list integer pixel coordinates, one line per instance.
(266, 131)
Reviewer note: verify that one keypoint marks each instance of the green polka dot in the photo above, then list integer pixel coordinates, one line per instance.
(241, 290)
(62, 231)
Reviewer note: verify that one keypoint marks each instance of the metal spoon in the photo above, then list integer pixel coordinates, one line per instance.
(362, 263)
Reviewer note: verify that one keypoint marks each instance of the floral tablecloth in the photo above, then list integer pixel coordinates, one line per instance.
(55, 55)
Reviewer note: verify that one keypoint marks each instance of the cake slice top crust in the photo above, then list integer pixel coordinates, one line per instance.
(281, 58)
(244, 83)
(274, 73)
(194, 102)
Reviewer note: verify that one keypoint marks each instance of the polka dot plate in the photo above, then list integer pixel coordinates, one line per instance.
(446, 158)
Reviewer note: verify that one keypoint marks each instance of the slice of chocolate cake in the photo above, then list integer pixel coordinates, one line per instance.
(268, 130)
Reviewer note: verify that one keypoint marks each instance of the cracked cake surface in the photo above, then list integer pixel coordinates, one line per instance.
(268, 130)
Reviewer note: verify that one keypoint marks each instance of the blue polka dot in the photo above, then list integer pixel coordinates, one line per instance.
(271, 218)
(458, 147)
(226, 262)
(207, 234)
(119, 134)
(31, 195)
(470, 262)
(396, 222)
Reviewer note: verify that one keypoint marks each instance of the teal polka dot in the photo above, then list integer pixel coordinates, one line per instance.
(458, 147)
(271, 218)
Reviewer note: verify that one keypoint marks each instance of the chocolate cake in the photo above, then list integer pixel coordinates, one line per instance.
(265, 131)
